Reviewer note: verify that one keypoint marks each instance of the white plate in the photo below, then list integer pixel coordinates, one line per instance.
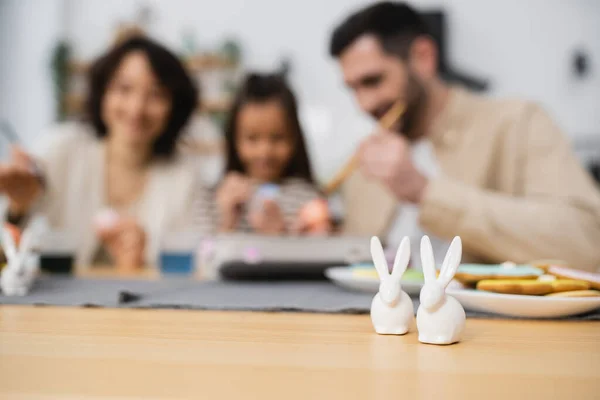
(524, 306)
(344, 277)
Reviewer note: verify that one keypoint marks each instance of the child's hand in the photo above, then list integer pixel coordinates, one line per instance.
(301, 227)
(268, 219)
(125, 241)
(235, 190)
(313, 218)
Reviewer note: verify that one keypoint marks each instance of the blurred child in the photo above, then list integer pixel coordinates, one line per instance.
(268, 179)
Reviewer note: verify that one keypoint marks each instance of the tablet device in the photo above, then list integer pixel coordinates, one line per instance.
(293, 257)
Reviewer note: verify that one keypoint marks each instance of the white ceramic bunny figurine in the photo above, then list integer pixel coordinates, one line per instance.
(440, 317)
(23, 266)
(392, 310)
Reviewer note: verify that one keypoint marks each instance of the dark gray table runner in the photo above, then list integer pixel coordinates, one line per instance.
(317, 297)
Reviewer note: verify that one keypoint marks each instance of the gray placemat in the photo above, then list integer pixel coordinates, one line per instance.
(321, 297)
(68, 291)
(318, 297)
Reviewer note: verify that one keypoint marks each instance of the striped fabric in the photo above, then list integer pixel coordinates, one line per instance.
(205, 219)
(294, 194)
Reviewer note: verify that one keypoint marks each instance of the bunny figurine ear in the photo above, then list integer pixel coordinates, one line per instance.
(427, 260)
(8, 244)
(451, 261)
(379, 260)
(402, 259)
(31, 234)
(27, 241)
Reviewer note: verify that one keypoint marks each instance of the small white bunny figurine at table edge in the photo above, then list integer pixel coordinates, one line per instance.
(440, 317)
(392, 311)
(22, 267)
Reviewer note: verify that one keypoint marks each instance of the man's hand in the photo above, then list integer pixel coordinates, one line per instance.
(19, 182)
(126, 242)
(385, 156)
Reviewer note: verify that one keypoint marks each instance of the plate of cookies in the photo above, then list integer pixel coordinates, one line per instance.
(549, 291)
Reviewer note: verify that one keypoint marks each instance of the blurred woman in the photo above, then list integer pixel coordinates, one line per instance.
(122, 159)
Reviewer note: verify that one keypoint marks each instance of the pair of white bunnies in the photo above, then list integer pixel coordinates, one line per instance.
(440, 318)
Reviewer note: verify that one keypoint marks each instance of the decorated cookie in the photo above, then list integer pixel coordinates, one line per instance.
(531, 287)
(515, 286)
(368, 270)
(569, 285)
(470, 274)
(576, 293)
(562, 272)
(545, 264)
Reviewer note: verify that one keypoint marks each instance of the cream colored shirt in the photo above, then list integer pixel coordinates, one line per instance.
(73, 162)
(406, 221)
(510, 186)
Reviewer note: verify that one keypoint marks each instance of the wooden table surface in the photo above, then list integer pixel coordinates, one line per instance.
(79, 353)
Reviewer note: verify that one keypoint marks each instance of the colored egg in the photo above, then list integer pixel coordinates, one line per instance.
(315, 212)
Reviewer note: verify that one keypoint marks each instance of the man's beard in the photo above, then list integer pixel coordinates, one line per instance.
(411, 123)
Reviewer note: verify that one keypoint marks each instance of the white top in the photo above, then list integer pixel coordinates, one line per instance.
(407, 220)
(73, 161)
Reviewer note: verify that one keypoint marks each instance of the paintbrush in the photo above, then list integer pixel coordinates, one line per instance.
(386, 122)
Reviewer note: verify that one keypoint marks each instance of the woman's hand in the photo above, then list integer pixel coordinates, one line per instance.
(125, 241)
(268, 219)
(19, 182)
(233, 193)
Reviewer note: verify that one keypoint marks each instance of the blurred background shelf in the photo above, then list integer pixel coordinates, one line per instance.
(204, 62)
(216, 72)
(194, 64)
(75, 105)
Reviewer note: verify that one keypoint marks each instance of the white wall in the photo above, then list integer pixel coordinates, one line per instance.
(523, 47)
(28, 31)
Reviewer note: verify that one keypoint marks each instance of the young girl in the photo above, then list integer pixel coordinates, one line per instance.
(268, 180)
